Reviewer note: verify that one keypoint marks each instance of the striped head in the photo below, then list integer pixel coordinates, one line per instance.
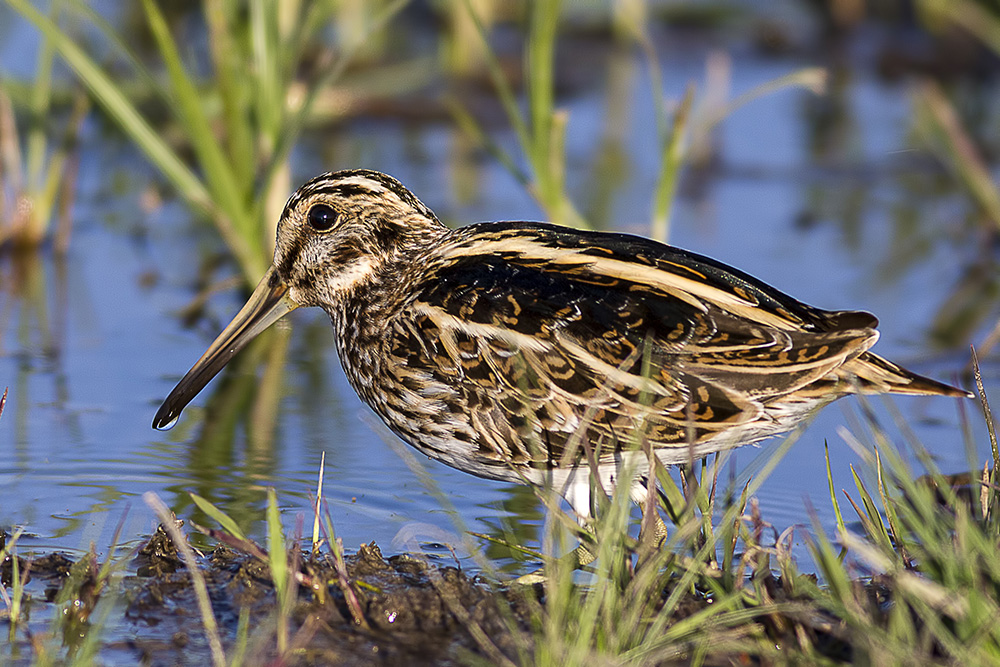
(340, 227)
(337, 233)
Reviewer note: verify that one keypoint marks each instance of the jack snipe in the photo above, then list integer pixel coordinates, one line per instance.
(515, 350)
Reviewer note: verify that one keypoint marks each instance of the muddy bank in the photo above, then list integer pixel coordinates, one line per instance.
(358, 609)
(376, 610)
(371, 610)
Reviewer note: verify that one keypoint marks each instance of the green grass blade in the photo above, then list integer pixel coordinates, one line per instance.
(234, 221)
(810, 78)
(833, 493)
(871, 518)
(278, 561)
(121, 109)
(293, 124)
(230, 78)
(504, 91)
(197, 577)
(987, 412)
(888, 506)
(56, 176)
(215, 165)
(113, 37)
(468, 124)
(671, 161)
(978, 18)
(12, 601)
(839, 587)
(41, 95)
(942, 124)
(539, 66)
(319, 502)
(239, 649)
(269, 96)
(223, 519)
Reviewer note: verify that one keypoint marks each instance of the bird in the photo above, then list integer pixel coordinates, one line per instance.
(534, 353)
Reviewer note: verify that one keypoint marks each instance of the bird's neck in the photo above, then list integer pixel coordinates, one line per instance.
(363, 315)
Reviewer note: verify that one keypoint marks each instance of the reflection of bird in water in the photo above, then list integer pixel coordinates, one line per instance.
(519, 351)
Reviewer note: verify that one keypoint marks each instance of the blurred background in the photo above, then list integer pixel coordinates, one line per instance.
(843, 151)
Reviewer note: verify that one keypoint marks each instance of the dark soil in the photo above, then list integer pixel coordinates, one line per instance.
(370, 610)
(394, 611)
(360, 609)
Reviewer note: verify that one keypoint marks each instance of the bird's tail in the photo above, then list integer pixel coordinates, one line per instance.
(876, 375)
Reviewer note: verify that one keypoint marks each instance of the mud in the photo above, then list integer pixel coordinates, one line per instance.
(377, 610)
(358, 609)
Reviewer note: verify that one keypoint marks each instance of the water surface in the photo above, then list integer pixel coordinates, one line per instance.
(841, 214)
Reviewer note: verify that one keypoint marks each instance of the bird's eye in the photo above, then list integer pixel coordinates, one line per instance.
(322, 218)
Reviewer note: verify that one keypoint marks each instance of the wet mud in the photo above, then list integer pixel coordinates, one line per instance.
(371, 610)
(354, 609)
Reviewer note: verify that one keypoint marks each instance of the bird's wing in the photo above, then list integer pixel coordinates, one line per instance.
(548, 339)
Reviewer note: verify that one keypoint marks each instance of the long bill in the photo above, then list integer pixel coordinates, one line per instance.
(268, 304)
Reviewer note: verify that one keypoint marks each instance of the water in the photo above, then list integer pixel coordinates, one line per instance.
(90, 346)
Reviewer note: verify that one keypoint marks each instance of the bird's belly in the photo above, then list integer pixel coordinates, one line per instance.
(472, 444)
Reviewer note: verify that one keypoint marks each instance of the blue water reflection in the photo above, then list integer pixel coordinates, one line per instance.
(90, 346)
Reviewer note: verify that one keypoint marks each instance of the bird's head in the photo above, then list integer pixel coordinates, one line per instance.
(335, 234)
(339, 228)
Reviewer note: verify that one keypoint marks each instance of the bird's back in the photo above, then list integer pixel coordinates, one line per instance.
(523, 346)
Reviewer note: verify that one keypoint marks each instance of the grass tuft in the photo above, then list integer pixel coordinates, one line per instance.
(241, 145)
(169, 523)
(37, 181)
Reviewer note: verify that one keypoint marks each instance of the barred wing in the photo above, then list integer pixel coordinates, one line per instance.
(547, 340)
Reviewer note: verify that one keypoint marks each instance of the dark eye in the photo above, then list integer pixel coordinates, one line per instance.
(322, 218)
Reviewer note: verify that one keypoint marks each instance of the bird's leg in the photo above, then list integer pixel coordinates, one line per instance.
(582, 554)
(577, 494)
(651, 520)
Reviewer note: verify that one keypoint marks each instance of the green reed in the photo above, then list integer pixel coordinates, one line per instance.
(929, 544)
(37, 178)
(187, 555)
(242, 119)
(541, 127)
(938, 121)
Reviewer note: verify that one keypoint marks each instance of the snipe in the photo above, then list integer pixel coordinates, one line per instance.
(513, 350)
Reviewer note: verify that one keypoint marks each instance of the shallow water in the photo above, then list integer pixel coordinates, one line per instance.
(91, 345)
